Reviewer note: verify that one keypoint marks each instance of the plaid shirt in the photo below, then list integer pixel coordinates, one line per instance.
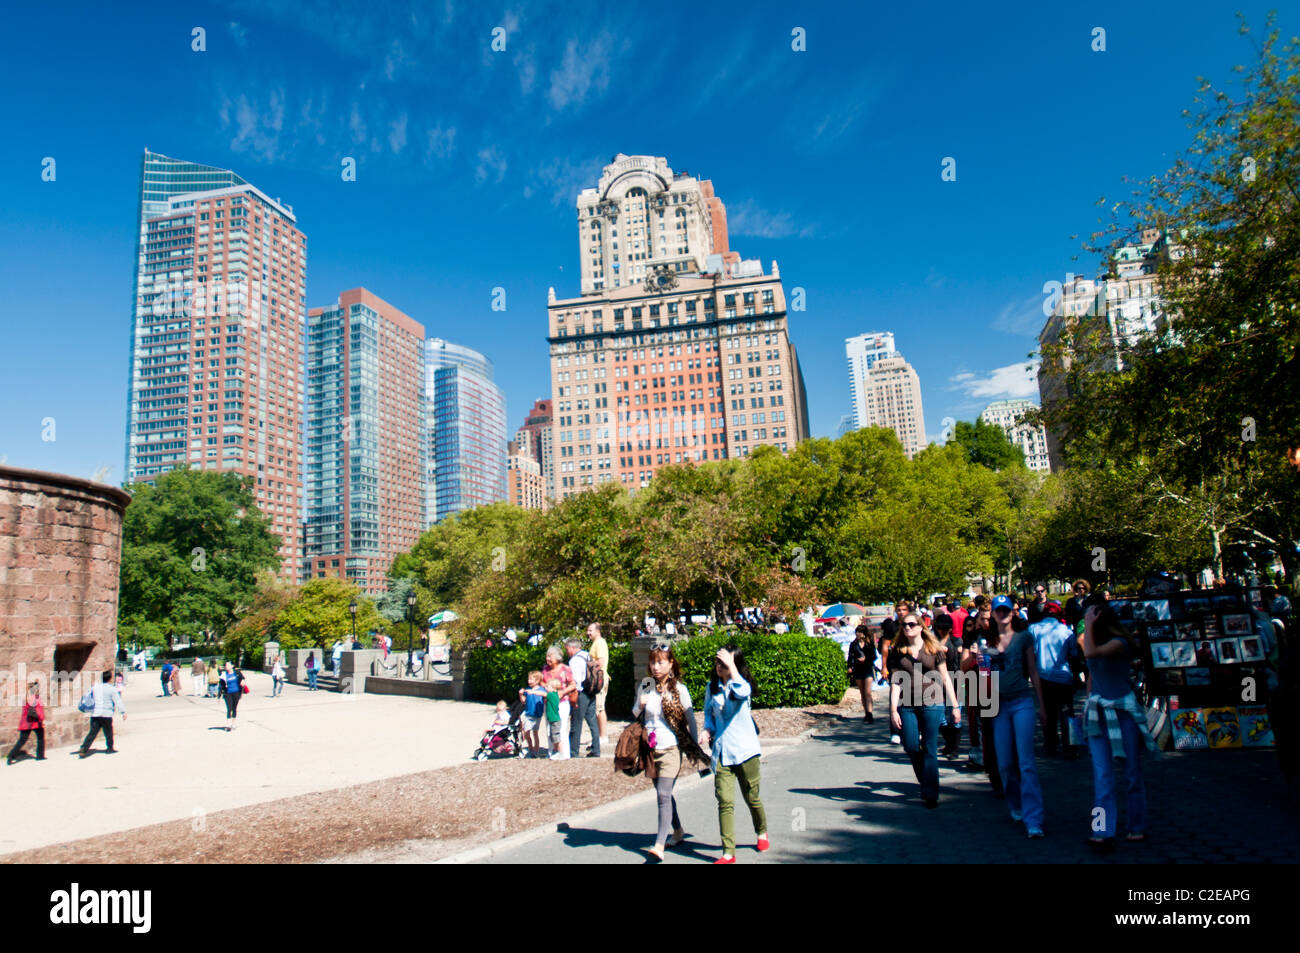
(1093, 718)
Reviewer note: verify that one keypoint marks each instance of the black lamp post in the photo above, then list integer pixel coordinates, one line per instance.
(135, 639)
(352, 610)
(410, 631)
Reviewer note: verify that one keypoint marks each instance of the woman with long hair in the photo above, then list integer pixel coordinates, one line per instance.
(918, 685)
(30, 722)
(730, 731)
(232, 686)
(1014, 667)
(862, 660)
(672, 736)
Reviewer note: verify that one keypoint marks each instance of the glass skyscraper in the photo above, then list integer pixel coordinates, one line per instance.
(215, 378)
(466, 430)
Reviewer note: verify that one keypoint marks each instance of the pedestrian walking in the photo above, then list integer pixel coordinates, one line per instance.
(214, 673)
(101, 702)
(1017, 687)
(584, 700)
(599, 652)
(176, 681)
(30, 722)
(672, 736)
(166, 677)
(337, 657)
(311, 671)
(983, 755)
(198, 676)
(556, 670)
(1115, 725)
(1057, 655)
(233, 686)
(950, 730)
(862, 661)
(919, 684)
(277, 675)
(732, 735)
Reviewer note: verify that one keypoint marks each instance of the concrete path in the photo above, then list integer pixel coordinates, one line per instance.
(175, 760)
(847, 795)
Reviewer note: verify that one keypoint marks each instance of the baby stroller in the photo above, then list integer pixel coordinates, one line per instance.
(503, 741)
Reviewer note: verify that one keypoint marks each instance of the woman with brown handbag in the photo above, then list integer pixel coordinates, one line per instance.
(672, 737)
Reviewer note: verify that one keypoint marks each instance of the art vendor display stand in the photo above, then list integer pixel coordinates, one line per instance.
(1206, 651)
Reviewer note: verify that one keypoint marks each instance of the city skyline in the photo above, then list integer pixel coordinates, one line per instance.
(497, 188)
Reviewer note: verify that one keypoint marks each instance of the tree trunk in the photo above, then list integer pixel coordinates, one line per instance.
(1217, 552)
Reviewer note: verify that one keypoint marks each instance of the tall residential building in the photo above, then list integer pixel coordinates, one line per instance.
(1118, 309)
(677, 351)
(526, 488)
(892, 398)
(216, 376)
(537, 432)
(863, 351)
(365, 438)
(1007, 414)
(643, 217)
(466, 430)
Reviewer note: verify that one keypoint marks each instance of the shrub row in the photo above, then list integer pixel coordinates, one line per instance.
(790, 671)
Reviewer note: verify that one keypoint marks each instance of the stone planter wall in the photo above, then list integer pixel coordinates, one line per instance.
(60, 550)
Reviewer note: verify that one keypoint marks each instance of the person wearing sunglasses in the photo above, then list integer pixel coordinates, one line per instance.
(1017, 687)
(918, 686)
(1038, 608)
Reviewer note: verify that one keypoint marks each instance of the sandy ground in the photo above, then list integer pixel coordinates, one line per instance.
(176, 762)
(305, 781)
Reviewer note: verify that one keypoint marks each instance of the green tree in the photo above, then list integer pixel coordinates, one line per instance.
(1207, 406)
(318, 615)
(987, 445)
(192, 546)
(451, 553)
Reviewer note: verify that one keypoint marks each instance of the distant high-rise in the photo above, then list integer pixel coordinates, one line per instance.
(1007, 414)
(216, 378)
(466, 429)
(537, 432)
(524, 476)
(892, 398)
(863, 351)
(677, 350)
(365, 438)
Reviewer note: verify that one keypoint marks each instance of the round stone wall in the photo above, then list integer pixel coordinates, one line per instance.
(60, 548)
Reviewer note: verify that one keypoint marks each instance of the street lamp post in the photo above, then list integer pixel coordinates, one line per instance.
(352, 610)
(410, 632)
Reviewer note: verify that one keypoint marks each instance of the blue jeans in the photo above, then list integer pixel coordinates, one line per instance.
(311, 679)
(276, 685)
(1013, 732)
(920, 736)
(1103, 779)
(166, 684)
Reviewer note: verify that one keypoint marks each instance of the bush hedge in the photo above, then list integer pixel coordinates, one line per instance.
(497, 673)
(790, 671)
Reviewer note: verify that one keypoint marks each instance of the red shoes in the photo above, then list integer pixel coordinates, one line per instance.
(763, 843)
(725, 860)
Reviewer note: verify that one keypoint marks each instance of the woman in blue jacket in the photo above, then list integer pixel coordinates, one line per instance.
(731, 732)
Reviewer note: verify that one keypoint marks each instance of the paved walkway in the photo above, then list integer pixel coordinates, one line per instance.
(175, 761)
(832, 798)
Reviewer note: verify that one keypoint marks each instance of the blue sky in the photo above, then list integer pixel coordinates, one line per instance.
(469, 162)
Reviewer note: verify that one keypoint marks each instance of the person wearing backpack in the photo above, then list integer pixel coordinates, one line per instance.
(166, 676)
(32, 721)
(589, 679)
(100, 703)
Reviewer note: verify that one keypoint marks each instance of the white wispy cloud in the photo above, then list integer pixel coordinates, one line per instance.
(563, 179)
(584, 70)
(1011, 381)
(491, 166)
(747, 218)
(439, 142)
(1023, 317)
(239, 34)
(257, 124)
(397, 134)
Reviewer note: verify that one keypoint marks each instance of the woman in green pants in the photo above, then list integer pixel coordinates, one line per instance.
(733, 736)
